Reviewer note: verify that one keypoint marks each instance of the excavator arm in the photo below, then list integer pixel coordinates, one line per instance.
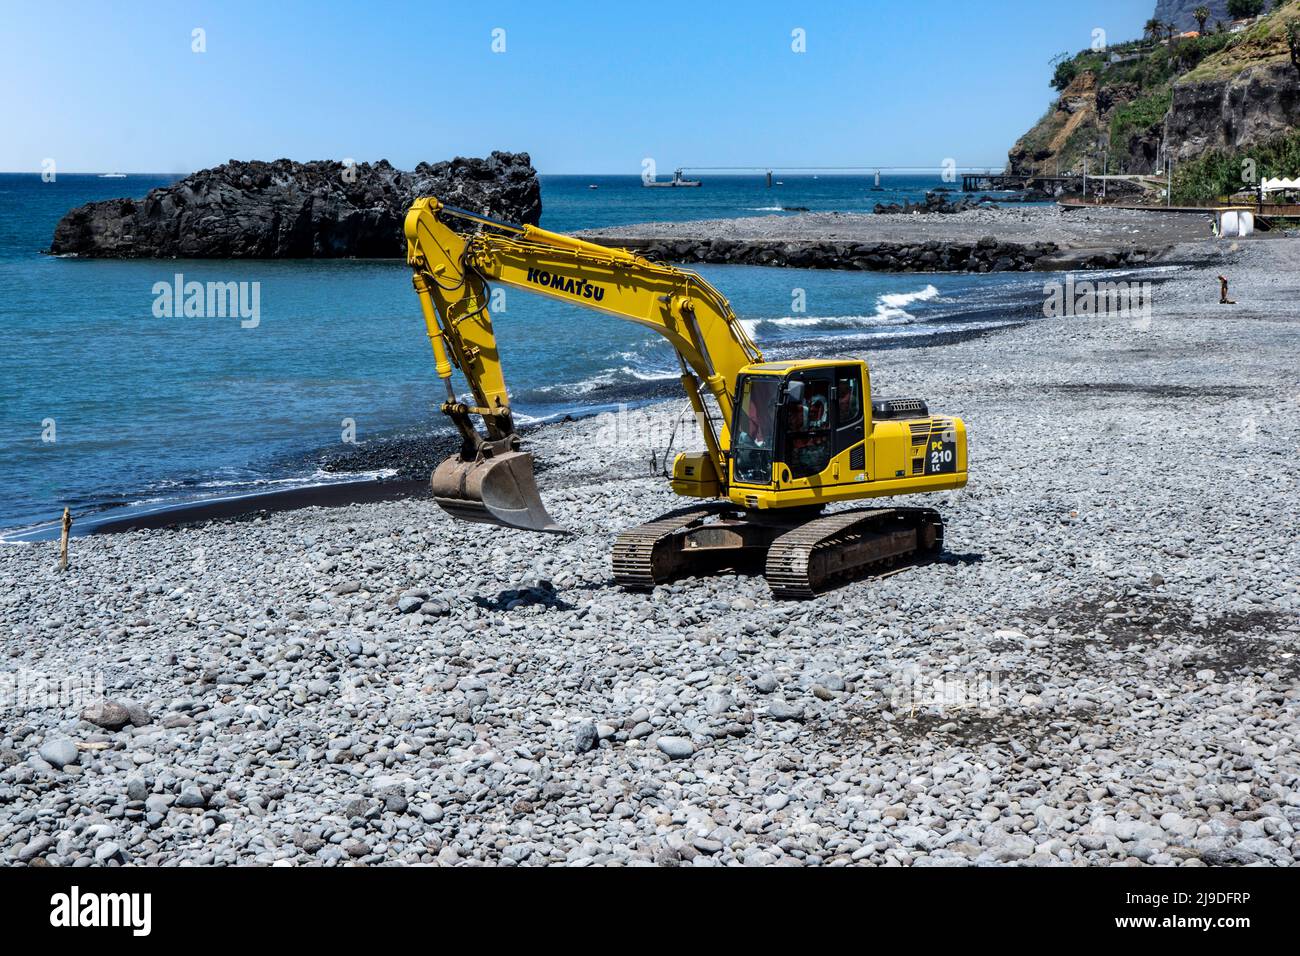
(454, 254)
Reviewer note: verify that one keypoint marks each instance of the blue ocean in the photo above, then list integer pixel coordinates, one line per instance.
(106, 404)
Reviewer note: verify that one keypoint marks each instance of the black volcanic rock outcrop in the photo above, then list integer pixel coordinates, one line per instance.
(1234, 110)
(290, 210)
(937, 202)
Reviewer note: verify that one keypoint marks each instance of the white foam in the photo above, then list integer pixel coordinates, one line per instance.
(929, 330)
(891, 309)
(893, 306)
(606, 378)
(652, 376)
(316, 478)
(898, 300)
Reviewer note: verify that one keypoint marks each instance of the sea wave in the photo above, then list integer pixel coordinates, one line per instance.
(931, 330)
(896, 303)
(642, 375)
(167, 489)
(891, 309)
(605, 378)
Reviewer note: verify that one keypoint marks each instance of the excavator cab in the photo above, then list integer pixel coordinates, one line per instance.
(807, 434)
(794, 420)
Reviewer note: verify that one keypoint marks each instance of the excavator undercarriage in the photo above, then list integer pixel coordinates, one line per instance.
(801, 554)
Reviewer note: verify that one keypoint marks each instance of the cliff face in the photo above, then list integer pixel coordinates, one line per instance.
(1086, 115)
(1179, 12)
(1234, 112)
(289, 210)
(1220, 92)
(1058, 142)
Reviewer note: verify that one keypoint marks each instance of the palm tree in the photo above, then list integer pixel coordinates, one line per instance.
(1202, 15)
(1153, 28)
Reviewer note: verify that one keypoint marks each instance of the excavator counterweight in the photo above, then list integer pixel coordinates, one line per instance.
(783, 440)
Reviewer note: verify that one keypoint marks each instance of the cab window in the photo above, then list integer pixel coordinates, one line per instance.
(755, 429)
(848, 397)
(808, 430)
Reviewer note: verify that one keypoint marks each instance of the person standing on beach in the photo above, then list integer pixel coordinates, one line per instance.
(1223, 292)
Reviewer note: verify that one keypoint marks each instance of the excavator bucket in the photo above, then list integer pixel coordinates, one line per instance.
(500, 490)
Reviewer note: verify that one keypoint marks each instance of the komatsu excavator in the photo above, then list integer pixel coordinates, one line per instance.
(782, 439)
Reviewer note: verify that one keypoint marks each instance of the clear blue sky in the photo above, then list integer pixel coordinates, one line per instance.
(583, 86)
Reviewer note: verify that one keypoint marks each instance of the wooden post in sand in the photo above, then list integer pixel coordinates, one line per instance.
(63, 541)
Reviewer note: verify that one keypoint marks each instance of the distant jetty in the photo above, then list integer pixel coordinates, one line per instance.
(678, 181)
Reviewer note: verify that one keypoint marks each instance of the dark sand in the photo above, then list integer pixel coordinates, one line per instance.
(170, 514)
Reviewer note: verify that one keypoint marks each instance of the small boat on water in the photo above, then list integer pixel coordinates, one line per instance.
(112, 175)
(677, 181)
(877, 188)
(593, 186)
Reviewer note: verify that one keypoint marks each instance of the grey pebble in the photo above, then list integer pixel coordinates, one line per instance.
(678, 748)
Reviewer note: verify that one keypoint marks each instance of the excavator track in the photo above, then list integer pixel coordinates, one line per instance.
(800, 557)
(643, 556)
(844, 545)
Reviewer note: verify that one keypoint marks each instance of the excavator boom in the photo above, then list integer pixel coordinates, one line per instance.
(492, 481)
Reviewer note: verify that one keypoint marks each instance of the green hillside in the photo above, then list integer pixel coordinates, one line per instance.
(1115, 103)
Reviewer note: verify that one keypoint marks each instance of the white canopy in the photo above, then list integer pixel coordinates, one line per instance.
(1277, 185)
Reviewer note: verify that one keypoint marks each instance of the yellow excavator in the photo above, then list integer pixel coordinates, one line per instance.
(782, 439)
